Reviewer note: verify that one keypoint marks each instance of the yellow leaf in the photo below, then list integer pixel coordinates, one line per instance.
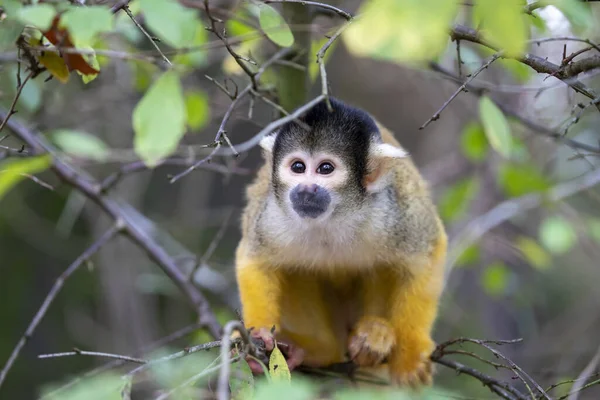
(503, 23)
(14, 170)
(92, 61)
(401, 31)
(278, 368)
(55, 65)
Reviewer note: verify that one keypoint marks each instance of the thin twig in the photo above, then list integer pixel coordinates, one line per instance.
(541, 65)
(150, 38)
(523, 120)
(58, 284)
(206, 159)
(462, 87)
(137, 166)
(94, 354)
(587, 372)
(12, 110)
(202, 374)
(222, 36)
(118, 212)
(223, 388)
(518, 370)
(336, 10)
(118, 362)
(252, 142)
(182, 353)
(320, 60)
(213, 244)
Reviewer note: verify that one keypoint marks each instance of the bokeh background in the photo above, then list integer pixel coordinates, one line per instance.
(535, 277)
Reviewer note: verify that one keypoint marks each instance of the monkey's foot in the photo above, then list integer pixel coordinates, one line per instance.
(411, 365)
(294, 354)
(371, 341)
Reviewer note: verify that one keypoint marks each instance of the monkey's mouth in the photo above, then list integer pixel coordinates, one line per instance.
(309, 210)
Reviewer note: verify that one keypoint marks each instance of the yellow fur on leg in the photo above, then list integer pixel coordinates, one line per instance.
(260, 293)
(371, 341)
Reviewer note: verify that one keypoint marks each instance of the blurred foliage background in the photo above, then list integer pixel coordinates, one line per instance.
(511, 134)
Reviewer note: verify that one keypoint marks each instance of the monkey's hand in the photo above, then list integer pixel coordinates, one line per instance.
(409, 363)
(263, 336)
(371, 341)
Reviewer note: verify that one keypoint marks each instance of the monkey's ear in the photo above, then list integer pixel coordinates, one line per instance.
(267, 143)
(382, 157)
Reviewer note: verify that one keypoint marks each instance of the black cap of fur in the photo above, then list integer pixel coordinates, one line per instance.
(346, 132)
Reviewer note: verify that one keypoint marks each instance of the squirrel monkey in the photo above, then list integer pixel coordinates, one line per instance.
(342, 249)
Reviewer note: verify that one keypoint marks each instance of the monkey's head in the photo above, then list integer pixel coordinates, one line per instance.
(331, 166)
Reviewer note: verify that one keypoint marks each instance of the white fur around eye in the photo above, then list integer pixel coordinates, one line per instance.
(331, 181)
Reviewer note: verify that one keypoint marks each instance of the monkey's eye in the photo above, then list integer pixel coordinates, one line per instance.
(325, 168)
(298, 167)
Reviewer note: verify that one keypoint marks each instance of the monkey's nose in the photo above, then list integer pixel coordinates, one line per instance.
(310, 200)
(313, 188)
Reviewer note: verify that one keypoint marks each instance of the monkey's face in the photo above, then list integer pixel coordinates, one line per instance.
(327, 170)
(310, 185)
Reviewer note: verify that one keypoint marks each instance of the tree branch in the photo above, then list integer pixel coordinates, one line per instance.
(460, 32)
(58, 284)
(93, 190)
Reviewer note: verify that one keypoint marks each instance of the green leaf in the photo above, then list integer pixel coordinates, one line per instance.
(401, 31)
(538, 23)
(238, 28)
(503, 23)
(519, 179)
(80, 144)
(173, 23)
(298, 389)
(535, 254)
(194, 58)
(15, 170)
(557, 235)
(11, 30)
(93, 61)
(473, 142)
(39, 15)
(11, 7)
(495, 126)
(143, 73)
(106, 386)
(278, 368)
(594, 228)
(198, 109)
(84, 23)
(274, 26)
(241, 381)
(159, 119)
(455, 201)
(495, 279)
